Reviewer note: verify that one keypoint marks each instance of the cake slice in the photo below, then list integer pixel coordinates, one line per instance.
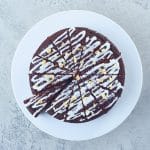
(38, 103)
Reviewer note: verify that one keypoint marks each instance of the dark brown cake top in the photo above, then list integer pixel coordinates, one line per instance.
(81, 69)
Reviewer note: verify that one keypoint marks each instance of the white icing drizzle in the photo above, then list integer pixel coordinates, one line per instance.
(75, 109)
(76, 106)
(60, 99)
(114, 100)
(40, 82)
(44, 51)
(99, 56)
(37, 61)
(92, 43)
(40, 67)
(75, 43)
(60, 38)
(105, 46)
(63, 36)
(112, 67)
(99, 92)
(34, 102)
(76, 39)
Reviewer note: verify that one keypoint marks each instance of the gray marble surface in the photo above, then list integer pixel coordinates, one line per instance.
(16, 18)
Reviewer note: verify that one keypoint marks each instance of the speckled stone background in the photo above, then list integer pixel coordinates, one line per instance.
(16, 18)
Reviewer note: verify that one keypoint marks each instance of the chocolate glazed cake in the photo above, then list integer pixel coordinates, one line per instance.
(76, 75)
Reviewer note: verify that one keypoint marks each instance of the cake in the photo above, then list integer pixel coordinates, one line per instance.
(76, 75)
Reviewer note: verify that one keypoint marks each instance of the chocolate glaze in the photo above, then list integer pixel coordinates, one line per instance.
(78, 73)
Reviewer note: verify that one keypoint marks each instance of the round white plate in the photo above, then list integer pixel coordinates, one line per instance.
(133, 69)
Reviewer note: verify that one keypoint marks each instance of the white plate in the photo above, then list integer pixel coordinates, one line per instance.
(133, 68)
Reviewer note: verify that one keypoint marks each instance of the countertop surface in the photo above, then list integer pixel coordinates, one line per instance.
(16, 18)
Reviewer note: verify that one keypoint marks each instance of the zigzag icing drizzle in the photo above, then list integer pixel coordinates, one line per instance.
(91, 66)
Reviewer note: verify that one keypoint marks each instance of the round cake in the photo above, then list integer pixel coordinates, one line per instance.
(76, 75)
